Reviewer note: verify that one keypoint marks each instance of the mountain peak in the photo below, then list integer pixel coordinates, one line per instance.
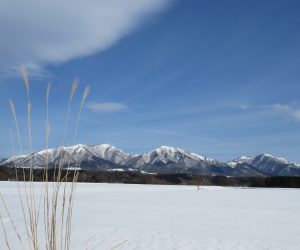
(170, 148)
(269, 156)
(104, 145)
(167, 149)
(243, 157)
(166, 153)
(240, 160)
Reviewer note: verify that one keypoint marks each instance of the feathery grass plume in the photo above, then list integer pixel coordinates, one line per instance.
(84, 96)
(30, 227)
(55, 208)
(59, 180)
(46, 204)
(72, 92)
(13, 111)
(25, 77)
(75, 176)
(34, 221)
(47, 132)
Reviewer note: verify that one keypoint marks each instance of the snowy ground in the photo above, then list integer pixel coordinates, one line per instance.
(178, 217)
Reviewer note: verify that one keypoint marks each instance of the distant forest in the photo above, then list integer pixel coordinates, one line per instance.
(9, 174)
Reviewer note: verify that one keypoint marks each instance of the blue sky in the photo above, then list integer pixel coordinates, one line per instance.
(220, 78)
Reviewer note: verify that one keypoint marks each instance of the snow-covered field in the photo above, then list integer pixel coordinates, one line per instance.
(177, 217)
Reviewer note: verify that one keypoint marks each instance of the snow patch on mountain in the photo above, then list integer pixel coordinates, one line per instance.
(172, 155)
(240, 160)
(279, 159)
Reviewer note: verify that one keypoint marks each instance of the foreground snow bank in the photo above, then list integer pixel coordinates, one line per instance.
(177, 217)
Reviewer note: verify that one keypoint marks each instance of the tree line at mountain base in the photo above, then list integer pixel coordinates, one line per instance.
(134, 177)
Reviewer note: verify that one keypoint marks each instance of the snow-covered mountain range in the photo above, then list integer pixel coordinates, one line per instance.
(163, 159)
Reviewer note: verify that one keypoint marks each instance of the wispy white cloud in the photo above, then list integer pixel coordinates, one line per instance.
(288, 110)
(107, 106)
(292, 110)
(243, 106)
(36, 33)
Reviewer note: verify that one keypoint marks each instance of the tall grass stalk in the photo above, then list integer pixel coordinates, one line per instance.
(57, 206)
(26, 207)
(34, 212)
(4, 232)
(53, 231)
(64, 239)
(11, 220)
(45, 175)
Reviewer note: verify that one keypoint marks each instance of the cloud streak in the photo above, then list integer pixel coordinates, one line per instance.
(37, 33)
(288, 110)
(106, 107)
